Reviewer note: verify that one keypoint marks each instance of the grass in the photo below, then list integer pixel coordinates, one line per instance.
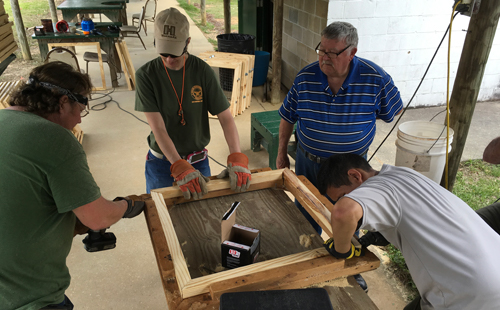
(32, 11)
(215, 17)
(478, 184)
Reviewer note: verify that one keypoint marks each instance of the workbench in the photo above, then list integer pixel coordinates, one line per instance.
(106, 40)
(188, 248)
(115, 10)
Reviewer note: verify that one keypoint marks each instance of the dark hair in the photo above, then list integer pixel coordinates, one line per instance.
(333, 172)
(42, 100)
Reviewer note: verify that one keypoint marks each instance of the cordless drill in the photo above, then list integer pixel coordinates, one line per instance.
(99, 240)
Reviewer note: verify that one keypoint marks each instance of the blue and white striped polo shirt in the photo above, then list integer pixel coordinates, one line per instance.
(330, 124)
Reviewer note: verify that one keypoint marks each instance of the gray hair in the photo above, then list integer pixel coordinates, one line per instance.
(341, 31)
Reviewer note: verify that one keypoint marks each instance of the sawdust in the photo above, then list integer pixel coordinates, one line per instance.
(305, 240)
(184, 243)
(207, 271)
(197, 306)
(339, 282)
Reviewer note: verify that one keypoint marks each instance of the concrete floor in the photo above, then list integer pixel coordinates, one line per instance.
(127, 277)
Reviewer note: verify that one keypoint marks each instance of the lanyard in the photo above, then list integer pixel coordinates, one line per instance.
(181, 112)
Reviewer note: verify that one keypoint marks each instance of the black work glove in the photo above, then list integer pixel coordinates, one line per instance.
(134, 207)
(374, 238)
(330, 247)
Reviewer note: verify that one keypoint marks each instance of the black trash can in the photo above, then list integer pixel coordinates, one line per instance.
(233, 43)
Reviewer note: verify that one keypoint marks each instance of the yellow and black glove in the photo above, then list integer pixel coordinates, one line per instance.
(330, 247)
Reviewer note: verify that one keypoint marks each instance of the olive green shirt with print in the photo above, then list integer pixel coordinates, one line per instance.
(43, 177)
(202, 94)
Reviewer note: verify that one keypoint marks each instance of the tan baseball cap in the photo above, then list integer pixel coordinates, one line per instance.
(171, 32)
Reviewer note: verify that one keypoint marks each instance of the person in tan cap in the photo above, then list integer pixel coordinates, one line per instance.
(176, 91)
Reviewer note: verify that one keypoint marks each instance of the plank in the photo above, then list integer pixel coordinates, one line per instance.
(128, 61)
(308, 200)
(327, 203)
(350, 297)
(259, 180)
(181, 270)
(124, 67)
(296, 275)
(7, 51)
(197, 226)
(6, 27)
(4, 18)
(6, 89)
(6, 40)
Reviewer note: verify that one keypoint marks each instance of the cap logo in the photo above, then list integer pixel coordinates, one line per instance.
(169, 32)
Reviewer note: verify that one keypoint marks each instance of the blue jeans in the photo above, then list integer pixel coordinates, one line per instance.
(309, 169)
(158, 173)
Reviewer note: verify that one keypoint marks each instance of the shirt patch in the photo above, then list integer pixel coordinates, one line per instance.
(197, 93)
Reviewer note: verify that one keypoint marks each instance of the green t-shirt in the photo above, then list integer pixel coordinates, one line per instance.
(43, 176)
(202, 93)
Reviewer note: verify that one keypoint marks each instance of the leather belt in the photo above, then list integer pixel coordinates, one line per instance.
(319, 159)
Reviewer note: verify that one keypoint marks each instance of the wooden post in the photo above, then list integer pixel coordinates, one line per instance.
(227, 16)
(53, 13)
(203, 13)
(21, 33)
(277, 46)
(470, 73)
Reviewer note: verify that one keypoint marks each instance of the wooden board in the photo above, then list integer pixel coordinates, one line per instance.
(124, 66)
(182, 291)
(6, 27)
(6, 89)
(128, 60)
(99, 56)
(4, 19)
(11, 48)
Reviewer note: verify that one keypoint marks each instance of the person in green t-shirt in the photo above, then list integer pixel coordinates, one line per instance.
(176, 91)
(46, 185)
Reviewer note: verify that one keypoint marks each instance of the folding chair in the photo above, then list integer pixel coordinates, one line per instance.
(64, 55)
(134, 29)
(149, 14)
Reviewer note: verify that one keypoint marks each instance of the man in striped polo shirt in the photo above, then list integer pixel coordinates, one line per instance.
(335, 102)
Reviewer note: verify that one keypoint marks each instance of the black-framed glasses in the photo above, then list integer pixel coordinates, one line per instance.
(331, 55)
(73, 96)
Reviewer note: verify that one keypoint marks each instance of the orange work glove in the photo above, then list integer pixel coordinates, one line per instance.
(191, 182)
(238, 172)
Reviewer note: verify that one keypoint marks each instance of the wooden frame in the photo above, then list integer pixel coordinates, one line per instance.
(99, 55)
(236, 66)
(128, 68)
(247, 72)
(292, 271)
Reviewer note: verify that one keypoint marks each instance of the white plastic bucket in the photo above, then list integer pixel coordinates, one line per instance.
(421, 146)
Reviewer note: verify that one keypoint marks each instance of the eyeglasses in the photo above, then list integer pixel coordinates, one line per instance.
(83, 112)
(331, 55)
(73, 96)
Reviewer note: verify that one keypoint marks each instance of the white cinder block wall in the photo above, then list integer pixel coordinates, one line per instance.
(401, 36)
